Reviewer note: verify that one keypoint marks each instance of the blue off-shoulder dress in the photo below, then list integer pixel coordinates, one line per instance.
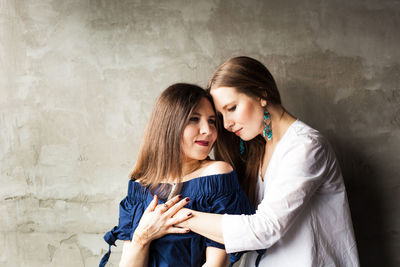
(220, 193)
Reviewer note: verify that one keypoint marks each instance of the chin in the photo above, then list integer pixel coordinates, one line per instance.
(244, 138)
(199, 157)
(203, 157)
(247, 138)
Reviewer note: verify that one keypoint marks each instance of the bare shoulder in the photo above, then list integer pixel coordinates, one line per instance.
(216, 167)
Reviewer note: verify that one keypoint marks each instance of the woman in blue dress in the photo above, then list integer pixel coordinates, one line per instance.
(174, 170)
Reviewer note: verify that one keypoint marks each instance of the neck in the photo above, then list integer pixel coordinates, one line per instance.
(190, 166)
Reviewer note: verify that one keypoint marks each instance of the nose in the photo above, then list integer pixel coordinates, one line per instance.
(228, 124)
(205, 128)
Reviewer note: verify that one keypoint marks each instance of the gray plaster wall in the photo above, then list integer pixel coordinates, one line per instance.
(78, 80)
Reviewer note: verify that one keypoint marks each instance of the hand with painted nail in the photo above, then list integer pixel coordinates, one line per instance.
(159, 220)
(184, 213)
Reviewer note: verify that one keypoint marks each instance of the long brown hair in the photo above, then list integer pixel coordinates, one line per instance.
(252, 78)
(160, 154)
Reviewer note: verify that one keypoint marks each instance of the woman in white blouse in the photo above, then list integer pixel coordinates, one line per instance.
(288, 170)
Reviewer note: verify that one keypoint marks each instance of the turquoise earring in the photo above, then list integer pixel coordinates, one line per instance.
(241, 146)
(267, 127)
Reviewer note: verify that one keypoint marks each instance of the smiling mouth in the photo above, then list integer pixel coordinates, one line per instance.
(202, 143)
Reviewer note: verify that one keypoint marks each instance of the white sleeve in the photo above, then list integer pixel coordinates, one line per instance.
(299, 173)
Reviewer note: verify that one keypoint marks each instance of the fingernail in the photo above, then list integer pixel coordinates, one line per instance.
(187, 230)
(180, 196)
(189, 214)
(187, 199)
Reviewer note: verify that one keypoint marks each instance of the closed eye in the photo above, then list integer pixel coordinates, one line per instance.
(233, 108)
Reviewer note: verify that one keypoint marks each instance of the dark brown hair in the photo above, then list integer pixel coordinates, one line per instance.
(160, 154)
(252, 78)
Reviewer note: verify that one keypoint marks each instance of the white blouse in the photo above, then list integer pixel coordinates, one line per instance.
(303, 218)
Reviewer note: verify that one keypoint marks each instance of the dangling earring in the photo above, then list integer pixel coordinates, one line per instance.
(241, 146)
(267, 127)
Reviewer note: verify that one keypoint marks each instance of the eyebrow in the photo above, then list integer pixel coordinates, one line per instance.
(198, 114)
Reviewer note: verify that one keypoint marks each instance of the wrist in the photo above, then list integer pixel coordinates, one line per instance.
(140, 238)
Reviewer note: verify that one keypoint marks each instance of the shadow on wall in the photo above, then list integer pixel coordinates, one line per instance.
(329, 93)
(366, 204)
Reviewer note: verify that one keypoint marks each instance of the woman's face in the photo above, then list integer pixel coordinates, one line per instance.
(242, 114)
(200, 133)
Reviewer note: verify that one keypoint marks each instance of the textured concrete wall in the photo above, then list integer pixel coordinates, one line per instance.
(78, 79)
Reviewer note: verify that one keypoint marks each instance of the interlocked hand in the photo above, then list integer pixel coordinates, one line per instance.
(158, 220)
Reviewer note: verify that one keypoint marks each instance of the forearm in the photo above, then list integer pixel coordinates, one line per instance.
(205, 224)
(134, 254)
(216, 257)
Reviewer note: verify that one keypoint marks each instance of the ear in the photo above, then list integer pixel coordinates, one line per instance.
(263, 102)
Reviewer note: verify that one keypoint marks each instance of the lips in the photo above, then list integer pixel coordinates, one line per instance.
(202, 142)
(237, 132)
